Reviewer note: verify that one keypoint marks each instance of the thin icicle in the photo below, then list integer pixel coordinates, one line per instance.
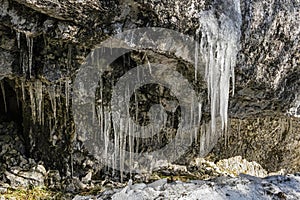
(138, 77)
(17, 98)
(67, 100)
(199, 120)
(196, 59)
(24, 60)
(29, 41)
(69, 59)
(136, 113)
(149, 65)
(196, 54)
(124, 123)
(23, 89)
(43, 114)
(4, 96)
(39, 99)
(199, 112)
(67, 92)
(18, 39)
(32, 102)
(107, 130)
(121, 147)
(52, 97)
(111, 48)
(93, 113)
(192, 119)
(130, 143)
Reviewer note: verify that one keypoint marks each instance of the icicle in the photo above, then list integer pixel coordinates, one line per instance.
(111, 48)
(98, 115)
(239, 128)
(192, 119)
(199, 112)
(124, 121)
(107, 130)
(32, 103)
(17, 98)
(52, 97)
(18, 39)
(4, 96)
(69, 59)
(199, 120)
(124, 61)
(43, 114)
(129, 130)
(104, 122)
(201, 141)
(149, 65)
(136, 114)
(23, 90)
(67, 96)
(71, 163)
(67, 85)
(196, 54)
(196, 60)
(39, 99)
(121, 147)
(67, 91)
(45, 40)
(24, 61)
(138, 75)
(130, 143)
(116, 145)
(29, 41)
(93, 113)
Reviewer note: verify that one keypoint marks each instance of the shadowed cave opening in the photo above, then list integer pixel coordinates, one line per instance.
(10, 105)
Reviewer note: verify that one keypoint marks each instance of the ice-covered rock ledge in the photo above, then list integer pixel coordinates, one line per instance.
(241, 187)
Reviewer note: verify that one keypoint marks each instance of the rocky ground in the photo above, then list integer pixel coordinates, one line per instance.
(241, 187)
(225, 179)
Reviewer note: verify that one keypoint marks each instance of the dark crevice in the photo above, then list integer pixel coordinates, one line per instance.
(10, 105)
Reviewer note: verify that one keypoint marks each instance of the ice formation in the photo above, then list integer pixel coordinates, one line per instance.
(52, 97)
(4, 96)
(219, 45)
(18, 39)
(39, 99)
(32, 102)
(29, 40)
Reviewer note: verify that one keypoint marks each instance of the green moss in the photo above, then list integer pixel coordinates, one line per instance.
(32, 194)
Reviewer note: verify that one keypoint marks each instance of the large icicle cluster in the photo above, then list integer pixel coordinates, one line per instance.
(219, 45)
(35, 91)
(116, 143)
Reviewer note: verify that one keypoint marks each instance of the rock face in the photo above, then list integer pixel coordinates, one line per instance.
(271, 141)
(43, 44)
(16, 169)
